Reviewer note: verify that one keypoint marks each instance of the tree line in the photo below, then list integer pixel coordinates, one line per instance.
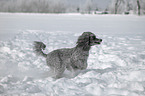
(62, 6)
(35, 6)
(120, 6)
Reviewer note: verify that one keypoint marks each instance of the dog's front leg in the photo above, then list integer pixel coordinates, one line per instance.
(81, 64)
(71, 69)
(84, 66)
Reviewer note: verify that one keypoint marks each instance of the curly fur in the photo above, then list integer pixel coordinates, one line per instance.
(68, 58)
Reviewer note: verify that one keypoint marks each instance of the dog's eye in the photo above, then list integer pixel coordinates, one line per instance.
(93, 37)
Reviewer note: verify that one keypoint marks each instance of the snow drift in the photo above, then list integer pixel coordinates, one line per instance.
(116, 67)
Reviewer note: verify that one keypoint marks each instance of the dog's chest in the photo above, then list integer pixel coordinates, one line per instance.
(81, 55)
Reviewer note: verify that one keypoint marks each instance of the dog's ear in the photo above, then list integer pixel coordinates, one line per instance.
(83, 39)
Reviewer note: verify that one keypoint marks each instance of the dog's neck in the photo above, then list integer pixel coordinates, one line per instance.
(83, 47)
(81, 52)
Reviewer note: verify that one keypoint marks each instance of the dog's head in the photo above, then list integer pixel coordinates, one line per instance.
(88, 39)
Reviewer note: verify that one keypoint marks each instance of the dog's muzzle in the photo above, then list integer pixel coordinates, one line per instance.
(98, 41)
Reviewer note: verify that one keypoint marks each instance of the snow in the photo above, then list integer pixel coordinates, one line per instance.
(115, 68)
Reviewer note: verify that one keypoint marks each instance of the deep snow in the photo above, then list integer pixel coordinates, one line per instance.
(115, 68)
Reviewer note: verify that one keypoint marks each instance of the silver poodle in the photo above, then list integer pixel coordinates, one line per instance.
(68, 58)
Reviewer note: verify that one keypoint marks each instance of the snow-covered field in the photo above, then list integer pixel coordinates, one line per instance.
(115, 68)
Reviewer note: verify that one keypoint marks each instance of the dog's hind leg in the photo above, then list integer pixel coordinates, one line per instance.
(56, 73)
(56, 64)
(59, 72)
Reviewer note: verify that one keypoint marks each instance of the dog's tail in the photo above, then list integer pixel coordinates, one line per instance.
(38, 47)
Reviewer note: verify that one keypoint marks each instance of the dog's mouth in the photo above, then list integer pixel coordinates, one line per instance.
(98, 41)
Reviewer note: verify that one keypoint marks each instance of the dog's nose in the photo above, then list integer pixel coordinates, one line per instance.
(100, 40)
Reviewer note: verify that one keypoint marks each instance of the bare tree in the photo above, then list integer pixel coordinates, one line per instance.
(117, 4)
(143, 6)
(58, 6)
(129, 6)
(89, 6)
(138, 6)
